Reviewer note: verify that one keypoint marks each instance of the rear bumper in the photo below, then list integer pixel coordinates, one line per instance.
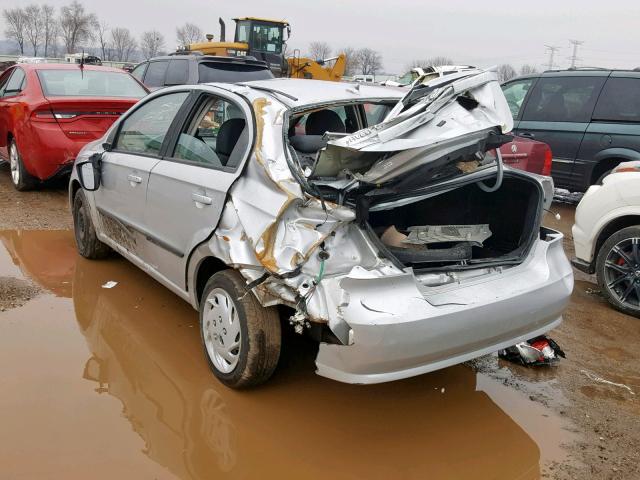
(48, 152)
(401, 329)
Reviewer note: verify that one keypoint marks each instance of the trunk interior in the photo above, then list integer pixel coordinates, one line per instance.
(467, 226)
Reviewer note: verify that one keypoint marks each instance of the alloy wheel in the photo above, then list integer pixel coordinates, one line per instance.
(622, 272)
(14, 164)
(222, 334)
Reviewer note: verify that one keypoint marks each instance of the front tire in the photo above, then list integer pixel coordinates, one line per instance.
(618, 270)
(89, 246)
(20, 178)
(241, 338)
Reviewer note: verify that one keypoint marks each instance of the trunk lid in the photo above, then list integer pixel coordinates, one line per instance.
(439, 129)
(82, 118)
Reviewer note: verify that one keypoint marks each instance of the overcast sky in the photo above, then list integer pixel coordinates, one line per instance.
(476, 32)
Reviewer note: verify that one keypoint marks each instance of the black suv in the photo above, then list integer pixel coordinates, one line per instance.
(589, 117)
(193, 69)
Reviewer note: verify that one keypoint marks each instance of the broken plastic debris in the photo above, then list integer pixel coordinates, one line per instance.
(110, 284)
(537, 351)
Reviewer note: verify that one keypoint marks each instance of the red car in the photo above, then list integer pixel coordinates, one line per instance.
(529, 155)
(49, 111)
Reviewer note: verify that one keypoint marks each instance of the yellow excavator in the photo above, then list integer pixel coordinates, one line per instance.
(265, 40)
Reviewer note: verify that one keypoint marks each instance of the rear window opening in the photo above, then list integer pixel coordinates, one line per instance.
(465, 226)
(223, 72)
(89, 83)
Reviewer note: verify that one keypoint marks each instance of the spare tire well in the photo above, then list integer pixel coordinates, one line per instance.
(206, 269)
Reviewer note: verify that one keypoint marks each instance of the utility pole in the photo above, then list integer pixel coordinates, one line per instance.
(552, 51)
(574, 57)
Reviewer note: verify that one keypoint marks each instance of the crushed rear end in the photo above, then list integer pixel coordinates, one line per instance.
(405, 247)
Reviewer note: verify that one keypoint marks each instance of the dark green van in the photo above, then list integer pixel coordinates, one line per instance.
(589, 117)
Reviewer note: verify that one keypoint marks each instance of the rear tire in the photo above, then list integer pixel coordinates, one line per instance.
(89, 246)
(618, 270)
(20, 178)
(241, 338)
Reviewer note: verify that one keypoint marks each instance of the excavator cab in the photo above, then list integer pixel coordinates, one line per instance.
(266, 41)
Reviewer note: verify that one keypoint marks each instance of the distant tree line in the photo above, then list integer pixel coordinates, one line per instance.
(38, 29)
(365, 61)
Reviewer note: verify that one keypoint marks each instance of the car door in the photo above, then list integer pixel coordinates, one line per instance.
(11, 84)
(614, 132)
(188, 188)
(137, 147)
(516, 92)
(558, 112)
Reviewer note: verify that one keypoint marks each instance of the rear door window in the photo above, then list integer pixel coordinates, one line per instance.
(15, 83)
(155, 73)
(619, 101)
(177, 73)
(563, 99)
(215, 137)
(144, 131)
(138, 72)
(515, 93)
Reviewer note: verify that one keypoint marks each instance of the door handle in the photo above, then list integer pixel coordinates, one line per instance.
(526, 135)
(134, 178)
(202, 199)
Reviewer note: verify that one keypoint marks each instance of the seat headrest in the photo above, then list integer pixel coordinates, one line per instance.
(228, 136)
(322, 121)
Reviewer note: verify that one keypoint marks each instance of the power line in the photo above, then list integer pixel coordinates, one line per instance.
(552, 51)
(574, 57)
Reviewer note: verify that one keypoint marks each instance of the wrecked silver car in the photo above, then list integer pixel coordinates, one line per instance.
(380, 222)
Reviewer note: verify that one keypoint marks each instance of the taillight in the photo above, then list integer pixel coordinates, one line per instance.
(548, 159)
(43, 116)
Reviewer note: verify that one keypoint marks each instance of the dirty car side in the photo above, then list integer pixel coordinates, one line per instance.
(310, 236)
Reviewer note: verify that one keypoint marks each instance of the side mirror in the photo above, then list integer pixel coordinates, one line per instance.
(89, 172)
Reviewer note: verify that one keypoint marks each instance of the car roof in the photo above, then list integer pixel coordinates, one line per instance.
(308, 92)
(198, 57)
(580, 72)
(67, 66)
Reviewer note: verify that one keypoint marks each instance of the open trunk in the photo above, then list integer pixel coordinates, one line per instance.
(463, 227)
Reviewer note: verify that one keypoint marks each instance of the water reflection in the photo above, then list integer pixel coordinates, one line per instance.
(146, 353)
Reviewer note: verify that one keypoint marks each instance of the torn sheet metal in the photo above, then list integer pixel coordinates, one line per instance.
(435, 126)
(428, 234)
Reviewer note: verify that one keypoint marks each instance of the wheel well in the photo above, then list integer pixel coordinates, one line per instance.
(603, 166)
(206, 269)
(611, 228)
(75, 186)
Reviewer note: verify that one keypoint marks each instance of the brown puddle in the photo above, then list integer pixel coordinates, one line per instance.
(107, 383)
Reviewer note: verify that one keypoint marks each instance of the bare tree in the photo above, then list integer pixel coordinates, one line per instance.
(102, 37)
(528, 69)
(319, 50)
(505, 72)
(33, 26)
(76, 25)
(369, 61)
(123, 44)
(15, 19)
(351, 60)
(189, 33)
(151, 43)
(437, 61)
(49, 27)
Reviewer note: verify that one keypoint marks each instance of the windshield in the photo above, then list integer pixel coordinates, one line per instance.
(231, 72)
(89, 83)
(266, 38)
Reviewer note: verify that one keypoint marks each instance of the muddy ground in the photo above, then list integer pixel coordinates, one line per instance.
(105, 383)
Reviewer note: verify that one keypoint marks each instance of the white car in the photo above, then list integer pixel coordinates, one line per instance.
(606, 236)
(377, 221)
